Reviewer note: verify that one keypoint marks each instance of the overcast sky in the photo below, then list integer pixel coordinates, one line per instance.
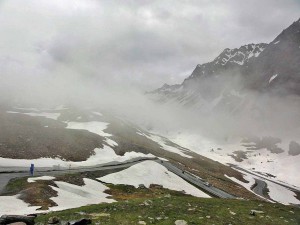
(140, 42)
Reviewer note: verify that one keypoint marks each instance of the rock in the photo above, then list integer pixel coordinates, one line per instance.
(81, 222)
(53, 220)
(180, 222)
(254, 212)
(232, 213)
(155, 186)
(147, 202)
(142, 222)
(8, 219)
(17, 223)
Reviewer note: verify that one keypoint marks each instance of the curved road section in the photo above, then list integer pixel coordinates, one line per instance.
(8, 173)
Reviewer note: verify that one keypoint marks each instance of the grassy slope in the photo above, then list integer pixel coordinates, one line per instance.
(166, 210)
(166, 204)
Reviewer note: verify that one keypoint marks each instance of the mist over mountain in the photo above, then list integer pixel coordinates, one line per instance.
(255, 86)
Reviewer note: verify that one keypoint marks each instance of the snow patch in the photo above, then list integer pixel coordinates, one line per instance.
(273, 77)
(162, 142)
(95, 127)
(281, 194)
(34, 179)
(73, 196)
(48, 115)
(149, 172)
(101, 156)
(12, 205)
(111, 142)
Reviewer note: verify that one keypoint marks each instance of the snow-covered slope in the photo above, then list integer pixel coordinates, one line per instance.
(270, 159)
(150, 172)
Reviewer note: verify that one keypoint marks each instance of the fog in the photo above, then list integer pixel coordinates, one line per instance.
(107, 54)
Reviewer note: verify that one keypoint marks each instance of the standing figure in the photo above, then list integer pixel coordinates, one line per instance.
(32, 169)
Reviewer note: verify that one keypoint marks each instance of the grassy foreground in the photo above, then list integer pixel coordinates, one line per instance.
(168, 209)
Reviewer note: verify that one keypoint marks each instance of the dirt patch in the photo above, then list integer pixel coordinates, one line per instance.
(256, 143)
(239, 156)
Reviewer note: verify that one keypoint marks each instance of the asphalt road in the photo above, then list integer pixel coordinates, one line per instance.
(8, 173)
(259, 188)
(197, 181)
(295, 189)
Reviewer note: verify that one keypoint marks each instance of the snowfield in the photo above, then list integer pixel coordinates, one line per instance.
(284, 166)
(95, 127)
(48, 115)
(160, 140)
(12, 205)
(68, 196)
(150, 172)
(73, 196)
(281, 194)
(276, 192)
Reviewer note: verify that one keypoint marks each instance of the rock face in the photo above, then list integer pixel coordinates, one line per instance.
(272, 68)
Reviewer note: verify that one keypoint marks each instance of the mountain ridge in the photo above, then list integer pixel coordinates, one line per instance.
(261, 67)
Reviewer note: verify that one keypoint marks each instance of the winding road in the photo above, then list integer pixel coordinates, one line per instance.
(8, 173)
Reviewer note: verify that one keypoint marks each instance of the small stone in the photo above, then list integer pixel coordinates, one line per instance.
(17, 223)
(208, 217)
(254, 212)
(142, 222)
(53, 220)
(147, 202)
(180, 222)
(232, 213)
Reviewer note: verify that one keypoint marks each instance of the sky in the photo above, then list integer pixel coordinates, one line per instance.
(134, 43)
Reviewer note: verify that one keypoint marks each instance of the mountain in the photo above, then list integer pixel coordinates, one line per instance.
(272, 67)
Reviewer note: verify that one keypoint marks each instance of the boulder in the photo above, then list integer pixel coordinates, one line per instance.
(53, 220)
(180, 222)
(8, 219)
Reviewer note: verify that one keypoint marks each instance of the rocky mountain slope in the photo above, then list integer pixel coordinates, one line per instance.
(272, 67)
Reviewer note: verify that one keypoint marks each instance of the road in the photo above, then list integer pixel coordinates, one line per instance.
(292, 188)
(197, 181)
(261, 184)
(7, 173)
(259, 188)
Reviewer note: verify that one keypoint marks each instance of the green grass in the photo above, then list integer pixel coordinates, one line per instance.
(166, 210)
(15, 185)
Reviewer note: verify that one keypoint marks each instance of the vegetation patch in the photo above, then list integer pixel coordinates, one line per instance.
(167, 209)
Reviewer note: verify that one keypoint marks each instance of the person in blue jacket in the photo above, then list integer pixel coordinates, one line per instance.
(32, 169)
